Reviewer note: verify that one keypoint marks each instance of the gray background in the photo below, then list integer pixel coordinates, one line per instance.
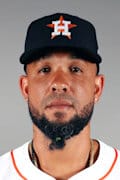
(15, 15)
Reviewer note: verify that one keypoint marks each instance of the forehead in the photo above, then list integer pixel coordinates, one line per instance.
(63, 59)
(70, 52)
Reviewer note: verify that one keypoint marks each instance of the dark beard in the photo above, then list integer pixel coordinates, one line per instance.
(59, 132)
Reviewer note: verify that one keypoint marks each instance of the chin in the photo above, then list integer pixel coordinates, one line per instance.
(59, 117)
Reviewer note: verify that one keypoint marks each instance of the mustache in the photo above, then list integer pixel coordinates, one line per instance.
(47, 100)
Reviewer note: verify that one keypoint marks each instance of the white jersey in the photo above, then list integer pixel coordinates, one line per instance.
(16, 165)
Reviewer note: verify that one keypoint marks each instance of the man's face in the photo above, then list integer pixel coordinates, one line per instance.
(60, 87)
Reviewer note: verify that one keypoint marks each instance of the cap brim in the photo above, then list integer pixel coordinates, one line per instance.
(35, 54)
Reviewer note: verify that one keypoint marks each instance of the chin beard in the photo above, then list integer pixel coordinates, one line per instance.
(59, 132)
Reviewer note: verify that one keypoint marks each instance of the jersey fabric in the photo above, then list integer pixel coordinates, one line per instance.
(16, 165)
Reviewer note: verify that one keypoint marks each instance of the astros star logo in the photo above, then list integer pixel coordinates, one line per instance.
(61, 27)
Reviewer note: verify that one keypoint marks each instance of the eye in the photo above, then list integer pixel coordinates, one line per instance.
(75, 69)
(46, 69)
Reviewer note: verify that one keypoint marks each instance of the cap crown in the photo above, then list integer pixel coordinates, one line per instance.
(61, 30)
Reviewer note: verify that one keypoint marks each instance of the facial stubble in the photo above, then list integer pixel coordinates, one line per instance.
(58, 132)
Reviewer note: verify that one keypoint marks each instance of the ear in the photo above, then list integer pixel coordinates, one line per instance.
(99, 84)
(23, 83)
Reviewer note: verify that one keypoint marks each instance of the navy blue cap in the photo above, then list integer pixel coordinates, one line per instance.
(64, 31)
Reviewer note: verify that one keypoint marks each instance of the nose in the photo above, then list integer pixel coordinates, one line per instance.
(59, 88)
(60, 84)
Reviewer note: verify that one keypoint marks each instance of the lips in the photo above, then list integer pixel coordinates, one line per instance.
(59, 104)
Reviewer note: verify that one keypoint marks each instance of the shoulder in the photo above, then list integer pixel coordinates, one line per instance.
(109, 158)
(7, 163)
(108, 150)
(4, 159)
(7, 156)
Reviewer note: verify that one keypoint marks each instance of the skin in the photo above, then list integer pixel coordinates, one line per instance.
(45, 85)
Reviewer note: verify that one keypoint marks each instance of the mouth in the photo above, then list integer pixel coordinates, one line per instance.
(59, 104)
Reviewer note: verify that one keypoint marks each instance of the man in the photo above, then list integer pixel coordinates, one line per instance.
(61, 85)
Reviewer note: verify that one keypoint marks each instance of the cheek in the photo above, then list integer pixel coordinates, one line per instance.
(84, 91)
(36, 92)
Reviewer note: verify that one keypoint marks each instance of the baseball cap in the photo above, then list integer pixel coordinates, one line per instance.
(61, 31)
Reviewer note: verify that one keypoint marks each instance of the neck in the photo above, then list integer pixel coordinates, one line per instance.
(64, 163)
